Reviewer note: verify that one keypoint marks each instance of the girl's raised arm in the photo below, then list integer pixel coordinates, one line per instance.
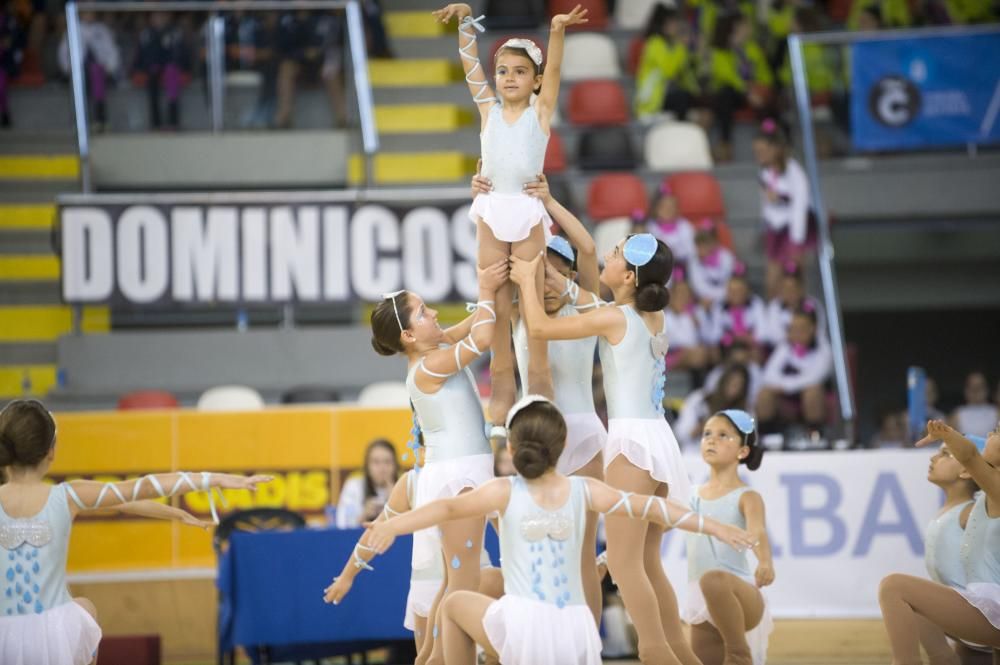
(490, 497)
(965, 452)
(548, 97)
(468, 50)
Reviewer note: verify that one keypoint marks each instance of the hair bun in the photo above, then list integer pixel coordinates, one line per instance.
(382, 349)
(652, 296)
(531, 458)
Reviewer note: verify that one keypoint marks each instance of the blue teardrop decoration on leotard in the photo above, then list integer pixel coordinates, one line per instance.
(39, 608)
(455, 563)
(434, 633)
(19, 569)
(10, 574)
(35, 568)
(468, 544)
(35, 589)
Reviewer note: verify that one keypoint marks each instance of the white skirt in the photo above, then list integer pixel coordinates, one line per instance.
(585, 439)
(985, 597)
(419, 600)
(63, 635)
(510, 216)
(525, 631)
(650, 445)
(695, 612)
(440, 480)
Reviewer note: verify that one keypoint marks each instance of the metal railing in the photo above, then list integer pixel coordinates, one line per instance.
(215, 61)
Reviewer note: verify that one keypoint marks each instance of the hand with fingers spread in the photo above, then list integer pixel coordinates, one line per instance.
(494, 276)
(480, 183)
(539, 189)
(577, 16)
(457, 10)
(523, 271)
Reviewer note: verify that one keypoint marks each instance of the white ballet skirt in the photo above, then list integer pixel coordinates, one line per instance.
(650, 445)
(510, 216)
(585, 439)
(985, 597)
(63, 635)
(695, 612)
(419, 600)
(525, 631)
(439, 480)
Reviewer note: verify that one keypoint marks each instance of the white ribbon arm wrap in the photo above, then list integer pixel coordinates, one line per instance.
(463, 52)
(625, 501)
(468, 342)
(360, 563)
(183, 478)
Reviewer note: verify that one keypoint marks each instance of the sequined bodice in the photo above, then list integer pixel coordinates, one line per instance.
(634, 369)
(541, 549)
(942, 541)
(34, 557)
(980, 551)
(572, 363)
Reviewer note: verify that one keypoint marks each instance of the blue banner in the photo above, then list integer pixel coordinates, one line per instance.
(925, 92)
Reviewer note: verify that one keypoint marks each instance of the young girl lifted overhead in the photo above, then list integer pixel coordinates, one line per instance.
(514, 134)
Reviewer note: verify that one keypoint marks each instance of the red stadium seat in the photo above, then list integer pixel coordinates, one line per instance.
(634, 54)
(147, 399)
(597, 12)
(616, 195)
(698, 195)
(555, 156)
(599, 103)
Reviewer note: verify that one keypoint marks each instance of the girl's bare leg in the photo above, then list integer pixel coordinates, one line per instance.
(539, 373)
(462, 620)
(903, 598)
(504, 388)
(588, 565)
(419, 631)
(626, 555)
(706, 642)
(90, 609)
(735, 607)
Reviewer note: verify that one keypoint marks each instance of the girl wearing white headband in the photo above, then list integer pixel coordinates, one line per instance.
(542, 618)
(514, 133)
(40, 623)
(641, 454)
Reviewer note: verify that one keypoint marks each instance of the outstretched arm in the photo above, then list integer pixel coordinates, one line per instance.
(752, 507)
(398, 503)
(607, 322)
(605, 499)
(548, 97)
(965, 452)
(468, 50)
(162, 511)
(579, 237)
(490, 497)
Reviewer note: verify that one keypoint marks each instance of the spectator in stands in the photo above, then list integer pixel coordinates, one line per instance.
(666, 223)
(892, 430)
(12, 43)
(101, 63)
(666, 79)
(708, 14)
(712, 265)
(364, 495)
(893, 13)
(314, 44)
(795, 377)
(977, 415)
(791, 296)
(686, 320)
(785, 201)
(737, 352)
(163, 57)
(959, 11)
(740, 314)
(820, 71)
(732, 391)
(738, 77)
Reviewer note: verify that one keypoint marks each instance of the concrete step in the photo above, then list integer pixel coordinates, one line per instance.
(25, 242)
(30, 293)
(421, 118)
(39, 167)
(34, 323)
(442, 167)
(427, 72)
(28, 267)
(38, 217)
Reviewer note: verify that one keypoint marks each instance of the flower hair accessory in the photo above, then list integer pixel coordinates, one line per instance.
(678, 274)
(529, 46)
(638, 215)
(666, 189)
(791, 268)
(706, 224)
(739, 269)
(769, 126)
(808, 306)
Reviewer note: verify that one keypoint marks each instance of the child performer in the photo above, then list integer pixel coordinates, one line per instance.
(730, 622)
(424, 584)
(40, 623)
(514, 132)
(542, 518)
(641, 454)
(448, 412)
(971, 614)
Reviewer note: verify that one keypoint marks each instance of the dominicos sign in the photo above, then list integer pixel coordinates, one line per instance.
(243, 249)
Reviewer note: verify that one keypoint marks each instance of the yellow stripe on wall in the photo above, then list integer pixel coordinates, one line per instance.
(41, 379)
(415, 24)
(29, 268)
(413, 167)
(29, 323)
(27, 217)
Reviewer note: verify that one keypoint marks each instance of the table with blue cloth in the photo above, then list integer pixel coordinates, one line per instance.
(271, 595)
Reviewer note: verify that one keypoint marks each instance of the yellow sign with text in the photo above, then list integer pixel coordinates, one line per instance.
(307, 450)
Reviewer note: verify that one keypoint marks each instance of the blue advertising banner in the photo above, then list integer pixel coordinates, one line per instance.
(925, 92)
